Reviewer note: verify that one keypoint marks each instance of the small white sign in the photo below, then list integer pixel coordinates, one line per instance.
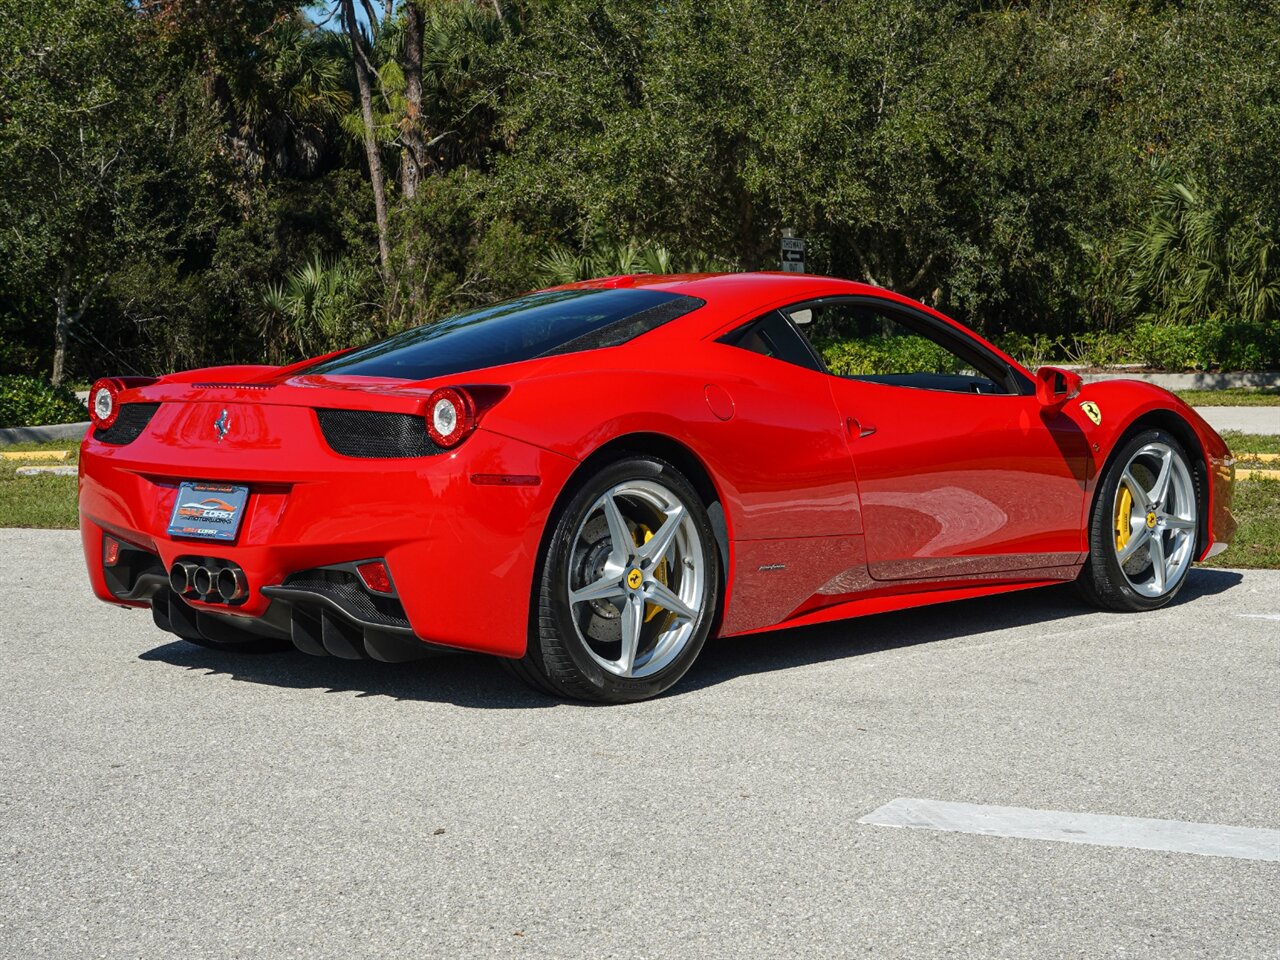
(792, 255)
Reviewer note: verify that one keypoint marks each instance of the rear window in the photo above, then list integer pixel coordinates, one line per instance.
(535, 325)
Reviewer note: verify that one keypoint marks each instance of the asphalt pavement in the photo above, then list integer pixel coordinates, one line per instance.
(161, 800)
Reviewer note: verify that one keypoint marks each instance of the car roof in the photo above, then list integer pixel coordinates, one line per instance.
(728, 284)
(728, 291)
(765, 289)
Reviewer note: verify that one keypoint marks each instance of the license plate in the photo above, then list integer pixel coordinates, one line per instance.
(208, 511)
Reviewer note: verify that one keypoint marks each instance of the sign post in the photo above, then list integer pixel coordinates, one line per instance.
(792, 253)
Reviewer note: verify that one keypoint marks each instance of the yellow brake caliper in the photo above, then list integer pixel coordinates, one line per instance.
(1124, 513)
(643, 535)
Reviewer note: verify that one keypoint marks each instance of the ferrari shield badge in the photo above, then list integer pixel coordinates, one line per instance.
(1091, 411)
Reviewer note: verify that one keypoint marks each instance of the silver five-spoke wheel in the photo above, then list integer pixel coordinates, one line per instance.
(1144, 525)
(1155, 519)
(636, 577)
(628, 590)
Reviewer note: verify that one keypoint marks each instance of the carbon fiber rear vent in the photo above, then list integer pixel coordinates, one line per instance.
(376, 436)
(342, 587)
(130, 422)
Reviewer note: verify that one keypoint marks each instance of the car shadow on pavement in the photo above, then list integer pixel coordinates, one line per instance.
(468, 680)
(479, 682)
(800, 646)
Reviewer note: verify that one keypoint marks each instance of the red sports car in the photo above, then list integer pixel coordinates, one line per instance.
(592, 480)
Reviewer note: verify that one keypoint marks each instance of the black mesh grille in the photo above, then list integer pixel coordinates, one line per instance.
(342, 587)
(363, 433)
(130, 422)
(233, 386)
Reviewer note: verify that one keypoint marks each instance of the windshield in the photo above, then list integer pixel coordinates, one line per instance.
(535, 325)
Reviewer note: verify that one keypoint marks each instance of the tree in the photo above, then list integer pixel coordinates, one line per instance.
(413, 155)
(365, 72)
(1197, 259)
(82, 155)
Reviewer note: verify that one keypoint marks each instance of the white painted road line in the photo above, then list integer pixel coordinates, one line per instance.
(1175, 836)
(1259, 616)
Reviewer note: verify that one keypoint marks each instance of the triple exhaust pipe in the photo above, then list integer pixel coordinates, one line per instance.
(190, 579)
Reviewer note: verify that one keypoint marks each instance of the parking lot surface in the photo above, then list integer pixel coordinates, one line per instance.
(161, 800)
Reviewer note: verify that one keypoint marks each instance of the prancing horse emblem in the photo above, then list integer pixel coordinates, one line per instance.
(222, 424)
(1091, 411)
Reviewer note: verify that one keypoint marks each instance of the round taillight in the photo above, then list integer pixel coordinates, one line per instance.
(451, 415)
(104, 404)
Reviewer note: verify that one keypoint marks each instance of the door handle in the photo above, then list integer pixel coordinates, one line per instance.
(857, 428)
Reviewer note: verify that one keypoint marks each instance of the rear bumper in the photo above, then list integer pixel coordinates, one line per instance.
(461, 554)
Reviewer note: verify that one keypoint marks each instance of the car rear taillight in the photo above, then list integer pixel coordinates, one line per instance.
(454, 412)
(104, 398)
(104, 404)
(451, 416)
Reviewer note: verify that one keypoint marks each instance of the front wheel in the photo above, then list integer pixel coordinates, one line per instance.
(1142, 532)
(628, 589)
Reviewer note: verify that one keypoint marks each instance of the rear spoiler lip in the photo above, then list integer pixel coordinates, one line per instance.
(394, 400)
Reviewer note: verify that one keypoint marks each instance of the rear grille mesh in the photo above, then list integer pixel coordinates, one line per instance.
(365, 433)
(130, 422)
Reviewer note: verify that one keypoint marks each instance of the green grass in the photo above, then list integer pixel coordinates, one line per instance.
(38, 501)
(1256, 506)
(1246, 443)
(1233, 397)
(71, 446)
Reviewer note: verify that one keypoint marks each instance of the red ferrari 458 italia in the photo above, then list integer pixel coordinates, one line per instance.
(590, 481)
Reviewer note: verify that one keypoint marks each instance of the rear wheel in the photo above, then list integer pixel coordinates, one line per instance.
(1142, 534)
(628, 588)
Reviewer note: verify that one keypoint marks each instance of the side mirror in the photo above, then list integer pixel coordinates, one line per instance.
(1054, 387)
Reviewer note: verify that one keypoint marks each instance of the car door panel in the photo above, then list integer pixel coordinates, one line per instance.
(954, 484)
(784, 450)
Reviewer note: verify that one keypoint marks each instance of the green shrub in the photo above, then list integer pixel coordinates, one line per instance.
(1208, 345)
(28, 402)
(879, 355)
(1033, 351)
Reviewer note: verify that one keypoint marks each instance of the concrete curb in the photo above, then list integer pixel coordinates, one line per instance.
(58, 431)
(1186, 381)
(66, 471)
(1264, 420)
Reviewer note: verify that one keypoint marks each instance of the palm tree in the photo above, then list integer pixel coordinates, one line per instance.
(604, 259)
(1195, 258)
(321, 306)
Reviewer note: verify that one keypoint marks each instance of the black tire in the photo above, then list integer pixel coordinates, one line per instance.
(1102, 582)
(557, 660)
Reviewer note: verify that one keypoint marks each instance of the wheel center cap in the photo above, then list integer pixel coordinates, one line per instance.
(635, 578)
(1151, 521)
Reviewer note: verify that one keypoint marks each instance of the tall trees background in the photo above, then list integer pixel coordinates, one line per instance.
(186, 182)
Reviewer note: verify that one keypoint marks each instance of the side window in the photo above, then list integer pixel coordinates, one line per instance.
(773, 335)
(862, 341)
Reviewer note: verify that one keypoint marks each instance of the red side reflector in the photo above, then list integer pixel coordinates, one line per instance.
(506, 479)
(110, 552)
(375, 576)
